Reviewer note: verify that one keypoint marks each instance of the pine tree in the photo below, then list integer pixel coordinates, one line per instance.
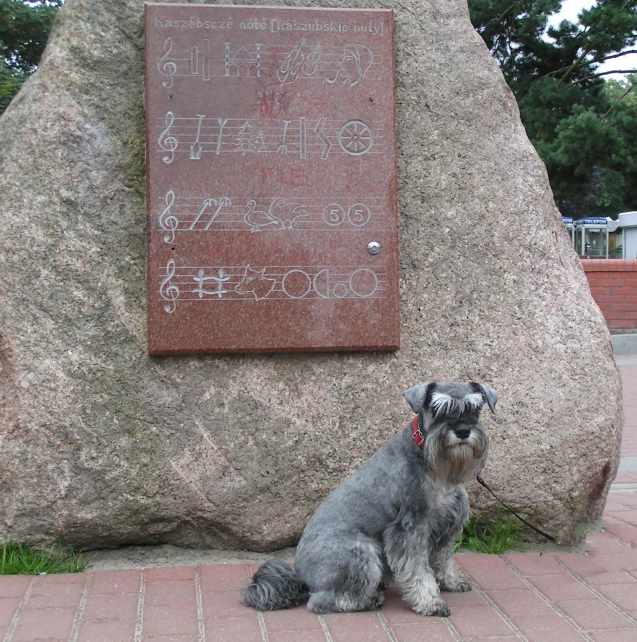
(245, 139)
(259, 142)
(580, 125)
(24, 30)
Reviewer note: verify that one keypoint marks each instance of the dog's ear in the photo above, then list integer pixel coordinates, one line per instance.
(417, 395)
(489, 395)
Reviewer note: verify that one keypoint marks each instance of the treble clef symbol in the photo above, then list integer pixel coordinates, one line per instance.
(290, 67)
(169, 291)
(167, 220)
(167, 142)
(167, 67)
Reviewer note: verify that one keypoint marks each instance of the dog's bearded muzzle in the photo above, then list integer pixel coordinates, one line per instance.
(464, 438)
(456, 455)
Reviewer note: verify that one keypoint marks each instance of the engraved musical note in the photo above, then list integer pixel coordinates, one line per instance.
(257, 219)
(245, 139)
(209, 202)
(290, 68)
(310, 66)
(355, 137)
(320, 132)
(358, 214)
(201, 279)
(333, 214)
(194, 60)
(284, 214)
(222, 203)
(167, 67)
(196, 148)
(167, 142)
(259, 142)
(169, 291)
(205, 205)
(243, 60)
(255, 282)
(222, 123)
(287, 213)
(302, 138)
(206, 60)
(167, 220)
(283, 148)
(357, 59)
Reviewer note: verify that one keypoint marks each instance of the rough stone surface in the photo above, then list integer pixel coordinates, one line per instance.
(103, 446)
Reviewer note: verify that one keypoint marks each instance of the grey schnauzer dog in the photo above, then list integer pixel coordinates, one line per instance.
(396, 518)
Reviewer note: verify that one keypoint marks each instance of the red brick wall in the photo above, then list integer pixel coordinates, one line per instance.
(614, 287)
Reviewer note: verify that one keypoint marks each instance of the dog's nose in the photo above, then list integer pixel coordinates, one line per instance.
(462, 433)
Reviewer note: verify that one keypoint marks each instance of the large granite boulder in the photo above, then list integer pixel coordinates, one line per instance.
(104, 446)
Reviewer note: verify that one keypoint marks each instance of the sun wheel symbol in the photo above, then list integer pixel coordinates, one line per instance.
(355, 137)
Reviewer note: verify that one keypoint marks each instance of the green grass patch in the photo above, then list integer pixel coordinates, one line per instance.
(18, 559)
(495, 535)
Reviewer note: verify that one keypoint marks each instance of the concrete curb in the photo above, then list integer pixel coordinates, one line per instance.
(624, 343)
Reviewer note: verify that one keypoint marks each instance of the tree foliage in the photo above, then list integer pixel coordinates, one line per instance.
(24, 30)
(584, 128)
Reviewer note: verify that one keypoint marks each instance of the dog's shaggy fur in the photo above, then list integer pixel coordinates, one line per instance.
(396, 518)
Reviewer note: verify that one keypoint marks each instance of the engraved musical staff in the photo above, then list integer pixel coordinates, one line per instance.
(346, 65)
(196, 136)
(266, 214)
(251, 283)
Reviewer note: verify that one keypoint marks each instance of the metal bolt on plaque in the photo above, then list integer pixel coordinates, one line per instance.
(373, 247)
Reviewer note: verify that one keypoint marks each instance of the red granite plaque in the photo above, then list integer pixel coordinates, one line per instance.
(271, 179)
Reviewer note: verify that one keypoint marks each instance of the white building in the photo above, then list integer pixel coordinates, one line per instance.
(627, 222)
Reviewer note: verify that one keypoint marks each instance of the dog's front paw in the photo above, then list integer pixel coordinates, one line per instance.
(455, 585)
(436, 607)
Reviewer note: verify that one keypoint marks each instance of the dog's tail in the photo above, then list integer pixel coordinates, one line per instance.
(275, 586)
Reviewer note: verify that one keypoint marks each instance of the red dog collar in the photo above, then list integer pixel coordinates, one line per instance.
(419, 438)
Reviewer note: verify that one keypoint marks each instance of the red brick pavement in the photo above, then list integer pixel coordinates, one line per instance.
(551, 597)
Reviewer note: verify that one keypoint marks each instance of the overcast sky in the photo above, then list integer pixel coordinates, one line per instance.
(570, 9)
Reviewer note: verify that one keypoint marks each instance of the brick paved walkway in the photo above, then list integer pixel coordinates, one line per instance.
(554, 597)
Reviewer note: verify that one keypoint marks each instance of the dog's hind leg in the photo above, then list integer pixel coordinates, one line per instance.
(333, 601)
(355, 585)
(343, 601)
